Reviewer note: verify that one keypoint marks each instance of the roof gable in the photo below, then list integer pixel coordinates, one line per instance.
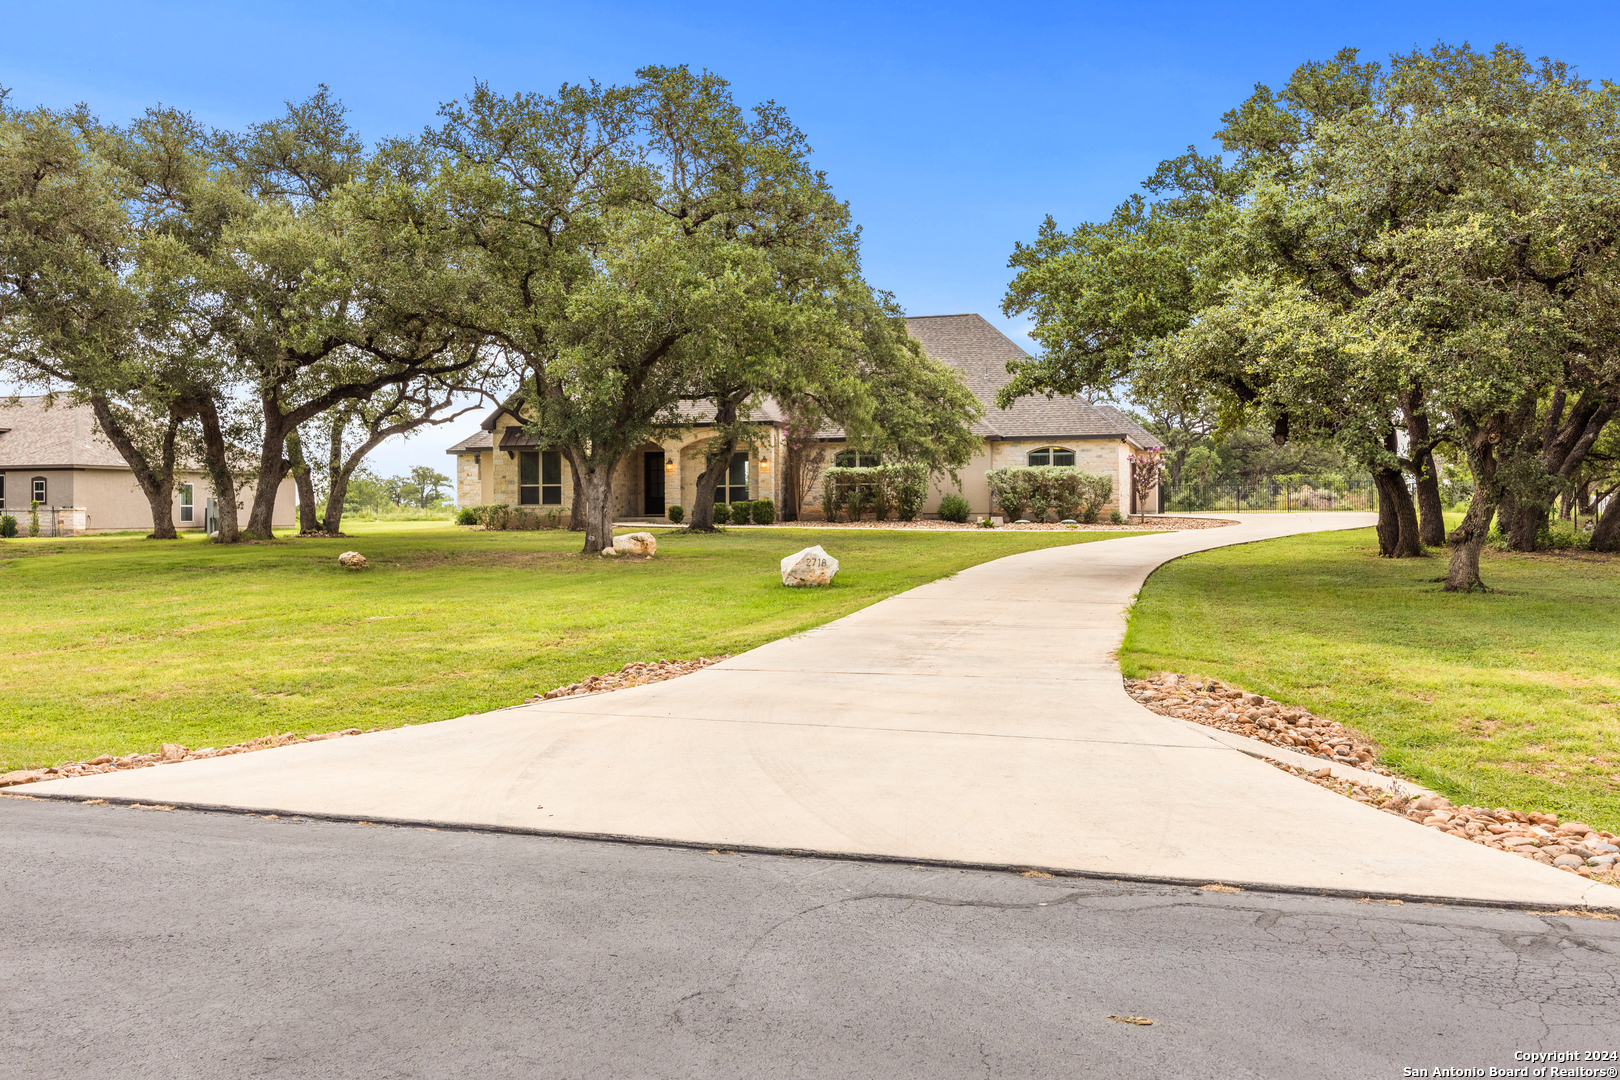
(981, 353)
(61, 436)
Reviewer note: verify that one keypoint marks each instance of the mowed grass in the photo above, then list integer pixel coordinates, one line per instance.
(118, 644)
(1507, 698)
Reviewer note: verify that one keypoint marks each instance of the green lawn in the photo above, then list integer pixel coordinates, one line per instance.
(116, 645)
(1501, 699)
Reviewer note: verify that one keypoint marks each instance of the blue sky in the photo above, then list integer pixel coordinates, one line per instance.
(951, 129)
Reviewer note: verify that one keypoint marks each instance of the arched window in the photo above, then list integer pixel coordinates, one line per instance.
(39, 490)
(1051, 455)
(851, 459)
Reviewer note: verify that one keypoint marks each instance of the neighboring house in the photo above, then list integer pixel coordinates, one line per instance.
(58, 457)
(502, 464)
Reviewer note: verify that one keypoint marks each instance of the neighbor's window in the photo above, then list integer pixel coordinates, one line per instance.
(551, 477)
(2, 491)
(1051, 455)
(528, 478)
(850, 459)
(188, 503)
(737, 480)
(39, 489)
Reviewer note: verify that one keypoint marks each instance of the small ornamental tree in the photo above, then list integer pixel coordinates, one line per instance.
(1146, 468)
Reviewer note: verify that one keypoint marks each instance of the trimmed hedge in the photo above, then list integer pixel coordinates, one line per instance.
(883, 489)
(1033, 491)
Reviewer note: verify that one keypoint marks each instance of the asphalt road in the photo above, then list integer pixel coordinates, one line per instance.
(143, 943)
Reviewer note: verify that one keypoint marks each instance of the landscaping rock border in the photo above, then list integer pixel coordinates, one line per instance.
(1574, 846)
(171, 753)
(1217, 704)
(632, 674)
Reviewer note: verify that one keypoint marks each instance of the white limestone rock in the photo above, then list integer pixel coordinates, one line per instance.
(812, 566)
(641, 543)
(352, 560)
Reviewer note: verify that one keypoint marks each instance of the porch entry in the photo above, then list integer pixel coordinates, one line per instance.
(652, 484)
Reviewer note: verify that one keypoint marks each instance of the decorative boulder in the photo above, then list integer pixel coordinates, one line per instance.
(641, 543)
(812, 566)
(352, 560)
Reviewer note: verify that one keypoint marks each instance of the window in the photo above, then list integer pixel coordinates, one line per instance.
(850, 459)
(736, 489)
(2, 491)
(1051, 455)
(39, 490)
(539, 477)
(188, 503)
(551, 477)
(528, 478)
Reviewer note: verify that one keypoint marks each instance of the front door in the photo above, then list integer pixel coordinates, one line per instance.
(652, 483)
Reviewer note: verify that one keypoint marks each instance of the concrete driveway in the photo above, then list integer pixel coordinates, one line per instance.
(976, 720)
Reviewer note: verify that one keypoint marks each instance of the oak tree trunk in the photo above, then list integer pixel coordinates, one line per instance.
(576, 510)
(155, 479)
(715, 466)
(1397, 517)
(1462, 575)
(1431, 512)
(216, 463)
(307, 522)
(1606, 534)
(273, 466)
(597, 480)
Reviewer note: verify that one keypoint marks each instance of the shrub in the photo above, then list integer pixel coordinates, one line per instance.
(764, 512)
(1094, 492)
(832, 495)
(953, 508)
(1116, 518)
(502, 517)
(676, 514)
(908, 481)
(741, 512)
(1010, 488)
(722, 514)
(8, 526)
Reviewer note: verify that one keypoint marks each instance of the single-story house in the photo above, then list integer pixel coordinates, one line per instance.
(502, 464)
(57, 456)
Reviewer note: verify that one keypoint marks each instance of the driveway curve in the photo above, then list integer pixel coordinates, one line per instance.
(979, 719)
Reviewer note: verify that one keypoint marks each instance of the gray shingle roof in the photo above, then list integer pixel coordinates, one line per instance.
(981, 352)
(62, 436)
(478, 440)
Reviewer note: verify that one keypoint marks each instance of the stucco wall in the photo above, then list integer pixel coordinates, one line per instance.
(114, 502)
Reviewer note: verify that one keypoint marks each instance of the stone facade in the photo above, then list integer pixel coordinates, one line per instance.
(1101, 437)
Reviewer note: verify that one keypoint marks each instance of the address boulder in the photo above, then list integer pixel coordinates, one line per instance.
(812, 566)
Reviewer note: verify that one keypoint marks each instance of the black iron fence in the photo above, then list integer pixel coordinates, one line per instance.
(1286, 493)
